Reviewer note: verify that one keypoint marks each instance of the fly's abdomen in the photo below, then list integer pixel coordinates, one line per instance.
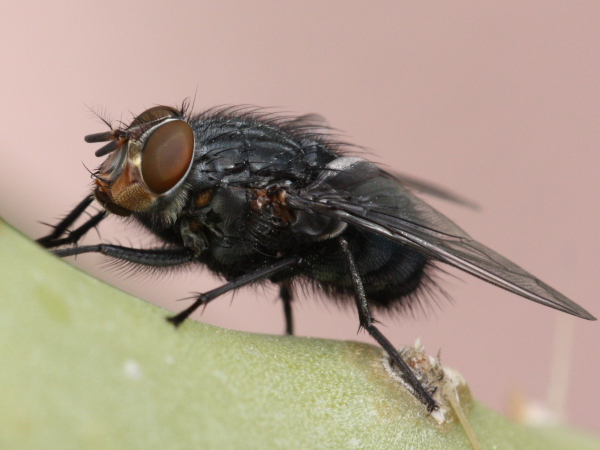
(390, 272)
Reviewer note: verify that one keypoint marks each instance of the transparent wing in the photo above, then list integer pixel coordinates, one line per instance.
(355, 191)
(428, 188)
(317, 124)
(310, 123)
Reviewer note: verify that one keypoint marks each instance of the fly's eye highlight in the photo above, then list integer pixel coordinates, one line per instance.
(167, 155)
(153, 114)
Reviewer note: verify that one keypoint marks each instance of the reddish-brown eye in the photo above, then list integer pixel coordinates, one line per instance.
(167, 155)
(153, 114)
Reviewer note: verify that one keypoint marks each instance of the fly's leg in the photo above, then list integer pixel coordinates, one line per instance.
(67, 221)
(54, 239)
(287, 296)
(366, 322)
(162, 257)
(209, 296)
(174, 257)
(74, 236)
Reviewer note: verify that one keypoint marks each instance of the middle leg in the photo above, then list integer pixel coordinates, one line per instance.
(261, 274)
(287, 296)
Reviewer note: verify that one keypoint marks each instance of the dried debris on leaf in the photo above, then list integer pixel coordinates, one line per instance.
(442, 382)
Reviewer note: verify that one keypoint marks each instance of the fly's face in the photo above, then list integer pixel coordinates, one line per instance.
(148, 160)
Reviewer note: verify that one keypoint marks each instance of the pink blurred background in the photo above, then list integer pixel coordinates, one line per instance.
(498, 101)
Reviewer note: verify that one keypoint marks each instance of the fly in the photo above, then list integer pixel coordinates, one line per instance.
(258, 198)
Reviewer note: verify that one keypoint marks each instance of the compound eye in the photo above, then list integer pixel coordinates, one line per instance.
(153, 114)
(167, 155)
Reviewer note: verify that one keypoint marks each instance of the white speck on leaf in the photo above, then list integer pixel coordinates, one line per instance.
(133, 369)
(221, 376)
(353, 443)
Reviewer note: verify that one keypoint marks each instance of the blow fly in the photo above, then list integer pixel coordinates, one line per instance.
(261, 198)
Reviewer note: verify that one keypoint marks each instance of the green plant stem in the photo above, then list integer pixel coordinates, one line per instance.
(86, 366)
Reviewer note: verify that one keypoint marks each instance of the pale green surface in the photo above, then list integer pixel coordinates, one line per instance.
(85, 366)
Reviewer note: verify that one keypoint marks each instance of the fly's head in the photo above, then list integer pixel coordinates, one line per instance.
(147, 164)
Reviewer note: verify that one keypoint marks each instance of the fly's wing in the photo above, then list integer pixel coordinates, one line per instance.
(428, 188)
(310, 123)
(355, 191)
(317, 124)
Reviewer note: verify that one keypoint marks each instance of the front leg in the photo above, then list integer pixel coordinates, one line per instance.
(73, 236)
(54, 239)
